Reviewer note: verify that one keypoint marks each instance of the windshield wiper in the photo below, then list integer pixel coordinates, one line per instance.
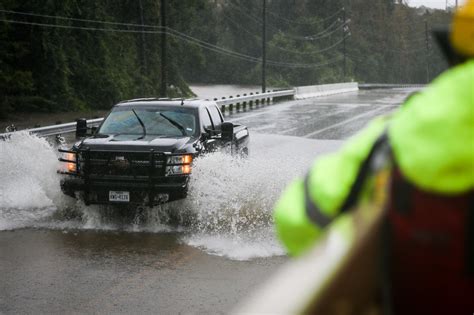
(141, 123)
(174, 123)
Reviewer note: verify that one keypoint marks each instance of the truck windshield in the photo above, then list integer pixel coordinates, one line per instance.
(166, 122)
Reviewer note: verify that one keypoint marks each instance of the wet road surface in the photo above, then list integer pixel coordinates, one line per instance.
(335, 117)
(74, 268)
(115, 272)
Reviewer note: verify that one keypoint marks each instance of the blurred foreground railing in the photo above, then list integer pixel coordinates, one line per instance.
(339, 276)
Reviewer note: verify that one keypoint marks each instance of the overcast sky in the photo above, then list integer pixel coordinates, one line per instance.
(439, 4)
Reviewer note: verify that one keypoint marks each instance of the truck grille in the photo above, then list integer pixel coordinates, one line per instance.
(122, 163)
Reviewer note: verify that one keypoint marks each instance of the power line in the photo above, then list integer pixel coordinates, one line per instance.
(313, 52)
(324, 33)
(178, 35)
(85, 28)
(58, 17)
(141, 26)
(320, 35)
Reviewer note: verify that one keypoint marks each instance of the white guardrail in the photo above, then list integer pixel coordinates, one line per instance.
(55, 129)
(311, 91)
(226, 104)
(370, 86)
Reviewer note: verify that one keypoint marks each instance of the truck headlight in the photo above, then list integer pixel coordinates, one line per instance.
(179, 164)
(68, 164)
(71, 167)
(180, 159)
(178, 169)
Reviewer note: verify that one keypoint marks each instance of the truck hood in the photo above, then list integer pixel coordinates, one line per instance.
(127, 143)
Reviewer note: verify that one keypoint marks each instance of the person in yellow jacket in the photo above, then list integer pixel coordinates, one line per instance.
(431, 146)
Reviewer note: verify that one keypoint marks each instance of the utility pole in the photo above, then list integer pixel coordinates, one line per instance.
(456, 4)
(427, 52)
(264, 46)
(143, 53)
(344, 40)
(163, 48)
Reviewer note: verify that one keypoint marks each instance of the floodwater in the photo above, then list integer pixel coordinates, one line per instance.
(202, 254)
(199, 255)
(228, 210)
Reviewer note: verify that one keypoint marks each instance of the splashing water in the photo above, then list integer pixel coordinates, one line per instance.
(228, 211)
(29, 184)
(231, 200)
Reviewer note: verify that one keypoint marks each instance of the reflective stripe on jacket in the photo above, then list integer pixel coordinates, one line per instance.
(432, 138)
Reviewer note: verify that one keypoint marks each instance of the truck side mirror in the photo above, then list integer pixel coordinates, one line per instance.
(81, 127)
(227, 129)
(206, 135)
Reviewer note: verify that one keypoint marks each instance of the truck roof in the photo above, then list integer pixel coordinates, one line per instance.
(189, 103)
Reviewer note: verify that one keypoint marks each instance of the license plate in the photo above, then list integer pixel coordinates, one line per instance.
(119, 196)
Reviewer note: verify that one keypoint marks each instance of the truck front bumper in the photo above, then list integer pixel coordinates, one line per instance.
(140, 191)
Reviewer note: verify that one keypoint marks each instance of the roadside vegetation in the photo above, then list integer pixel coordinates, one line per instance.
(75, 55)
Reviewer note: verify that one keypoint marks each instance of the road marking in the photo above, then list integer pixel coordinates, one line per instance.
(309, 135)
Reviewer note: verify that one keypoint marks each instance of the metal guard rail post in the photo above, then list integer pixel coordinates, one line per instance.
(224, 102)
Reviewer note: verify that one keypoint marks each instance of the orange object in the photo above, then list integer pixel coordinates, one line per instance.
(462, 35)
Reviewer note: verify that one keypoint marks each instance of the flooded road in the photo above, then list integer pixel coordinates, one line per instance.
(199, 255)
(117, 272)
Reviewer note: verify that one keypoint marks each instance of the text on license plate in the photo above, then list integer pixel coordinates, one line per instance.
(119, 196)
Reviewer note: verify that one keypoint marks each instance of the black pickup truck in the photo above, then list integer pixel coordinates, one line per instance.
(143, 151)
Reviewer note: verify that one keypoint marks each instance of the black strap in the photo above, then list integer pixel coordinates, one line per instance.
(385, 260)
(313, 211)
(403, 190)
(364, 170)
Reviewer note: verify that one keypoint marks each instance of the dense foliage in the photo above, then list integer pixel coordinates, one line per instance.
(78, 54)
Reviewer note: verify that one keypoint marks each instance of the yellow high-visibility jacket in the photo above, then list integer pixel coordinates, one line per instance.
(432, 140)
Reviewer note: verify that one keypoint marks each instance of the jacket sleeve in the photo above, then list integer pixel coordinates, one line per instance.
(309, 204)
